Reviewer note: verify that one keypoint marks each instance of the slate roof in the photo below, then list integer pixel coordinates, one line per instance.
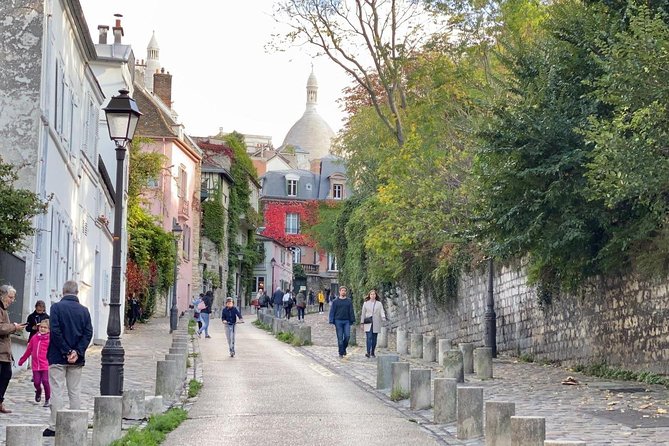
(153, 121)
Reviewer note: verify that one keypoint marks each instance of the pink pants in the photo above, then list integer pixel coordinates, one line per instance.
(41, 378)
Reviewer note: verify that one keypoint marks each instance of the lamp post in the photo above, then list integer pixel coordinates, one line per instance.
(240, 257)
(122, 116)
(273, 264)
(176, 230)
(490, 335)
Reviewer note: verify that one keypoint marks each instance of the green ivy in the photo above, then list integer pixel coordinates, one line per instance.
(213, 220)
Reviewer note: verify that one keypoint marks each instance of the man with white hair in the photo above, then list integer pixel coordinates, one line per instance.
(71, 334)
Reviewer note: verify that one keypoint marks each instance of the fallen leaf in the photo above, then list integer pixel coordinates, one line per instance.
(645, 406)
(660, 410)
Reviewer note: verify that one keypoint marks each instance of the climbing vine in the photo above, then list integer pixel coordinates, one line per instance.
(213, 220)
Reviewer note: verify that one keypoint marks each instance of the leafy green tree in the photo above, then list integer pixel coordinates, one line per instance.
(17, 209)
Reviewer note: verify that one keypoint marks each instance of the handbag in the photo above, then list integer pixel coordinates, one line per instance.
(201, 306)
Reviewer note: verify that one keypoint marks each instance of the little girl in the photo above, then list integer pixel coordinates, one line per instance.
(37, 348)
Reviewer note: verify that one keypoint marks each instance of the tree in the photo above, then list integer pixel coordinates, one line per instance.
(17, 209)
(371, 40)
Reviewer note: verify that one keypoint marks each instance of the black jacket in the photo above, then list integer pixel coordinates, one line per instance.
(341, 310)
(71, 329)
(208, 301)
(34, 319)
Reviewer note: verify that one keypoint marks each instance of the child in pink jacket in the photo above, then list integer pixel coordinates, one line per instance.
(37, 348)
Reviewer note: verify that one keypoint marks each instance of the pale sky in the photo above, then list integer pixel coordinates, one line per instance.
(221, 74)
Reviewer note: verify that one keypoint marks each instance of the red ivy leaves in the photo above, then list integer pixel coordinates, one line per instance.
(275, 221)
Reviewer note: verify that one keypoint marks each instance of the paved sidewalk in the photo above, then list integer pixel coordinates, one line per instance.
(598, 412)
(144, 345)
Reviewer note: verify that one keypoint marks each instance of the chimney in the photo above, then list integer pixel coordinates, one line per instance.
(102, 29)
(315, 166)
(118, 29)
(162, 86)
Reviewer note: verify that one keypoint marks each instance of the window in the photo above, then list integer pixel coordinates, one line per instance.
(152, 182)
(283, 257)
(297, 255)
(332, 262)
(292, 223)
(185, 238)
(291, 188)
(338, 191)
(182, 182)
(315, 258)
(258, 282)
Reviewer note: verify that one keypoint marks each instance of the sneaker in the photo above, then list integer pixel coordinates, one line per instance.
(49, 433)
(47, 403)
(207, 337)
(366, 355)
(232, 354)
(38, 396)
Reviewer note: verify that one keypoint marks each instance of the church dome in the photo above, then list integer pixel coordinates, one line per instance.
(311, 133)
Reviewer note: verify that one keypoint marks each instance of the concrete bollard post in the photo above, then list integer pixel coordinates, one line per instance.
(443, 346)
(416, 346)
(154, 405)
(276, 326)
(498, 422)
(445, 400)
(453, 366)
(401, 381)
(429, 348)
(421, 395)
(181, 367)
(470, 412)
(384, 377)
(483, 362)
(402, 342)
(382, 340)
(107, 415)
(353, 340)
(134, 406)
(166, 373)
(546, 443)
(467, 350)
(71, 427)
(23, 434)
(304, 334)
(528, 431)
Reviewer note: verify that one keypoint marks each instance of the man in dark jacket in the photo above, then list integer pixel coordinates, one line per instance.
(342, 316)
(71, 334)
(277, 300)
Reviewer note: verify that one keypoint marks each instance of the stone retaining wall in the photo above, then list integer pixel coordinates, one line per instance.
(621, 322)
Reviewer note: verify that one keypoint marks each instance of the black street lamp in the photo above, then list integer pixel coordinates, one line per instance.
(174, 316)
(490, 335)
(122, 116)
(240, 257)
(272, 264)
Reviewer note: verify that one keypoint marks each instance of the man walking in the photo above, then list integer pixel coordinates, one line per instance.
(71, 333)
(277, 299)
(342, 316)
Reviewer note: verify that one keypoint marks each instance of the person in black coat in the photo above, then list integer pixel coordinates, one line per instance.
(34, 318)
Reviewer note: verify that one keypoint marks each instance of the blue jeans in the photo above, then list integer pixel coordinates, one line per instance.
(300, 313)
(230, 334)
(205, 324)
(343, 328)
(277, 310)
(371, 341)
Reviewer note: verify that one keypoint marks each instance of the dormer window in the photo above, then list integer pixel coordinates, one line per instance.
(291, 185)
(337, 191)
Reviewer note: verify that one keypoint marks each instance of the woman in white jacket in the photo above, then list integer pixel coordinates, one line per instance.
(371, 317)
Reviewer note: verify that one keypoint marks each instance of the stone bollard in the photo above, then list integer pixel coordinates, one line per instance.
(23, 434)
(429, 348)
(400, 377)
(445, 400)
(467, 350)
(382, 339)
(416, 349)
(402, 342)
(166, 377)
(107, 415)
(134, 406)
(470, 412)
(154, 405)
(304, 334)
(276, 326)
(528, 431)
(71, 427)
(453, 366)
(546, 443)
(498, 422)
(483, 362)
(353, 340)
(443, 346)
(421, 395)
(384, 377)
(181, 366)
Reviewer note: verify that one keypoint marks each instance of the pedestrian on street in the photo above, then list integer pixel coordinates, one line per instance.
(312, 298)
(37, 349)
(287, 303)
(205, 313)
(301, 304)
(195, 304)
(321, 301)
(342, 316)
(229, 316)
(370, 318)
(277, 301)
(133, 311)
(72, 332)
(7, 297)
(34, 318)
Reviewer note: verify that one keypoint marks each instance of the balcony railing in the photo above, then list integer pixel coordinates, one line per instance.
(309, 268)
(184, 208)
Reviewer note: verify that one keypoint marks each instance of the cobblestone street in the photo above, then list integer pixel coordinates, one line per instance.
(143, 346)
(598, 412)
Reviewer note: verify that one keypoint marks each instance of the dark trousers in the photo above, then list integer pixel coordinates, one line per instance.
(320, 307)
(300, 313)
(288, 310)
(343, 328)
(371, 341)
(5, 376)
